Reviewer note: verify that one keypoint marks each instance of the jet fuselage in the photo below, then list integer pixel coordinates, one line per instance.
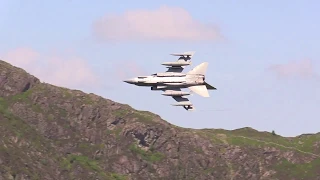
(180, 80)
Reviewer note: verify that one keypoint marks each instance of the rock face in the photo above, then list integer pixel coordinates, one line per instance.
(50, 132)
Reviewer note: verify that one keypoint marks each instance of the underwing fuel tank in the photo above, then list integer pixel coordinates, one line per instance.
(174, 83)
(182, 104)
(175, 93)
(170, 74)
(177, 63)
(158, 88)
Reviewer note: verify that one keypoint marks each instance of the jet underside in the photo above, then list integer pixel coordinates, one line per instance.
(173, 80)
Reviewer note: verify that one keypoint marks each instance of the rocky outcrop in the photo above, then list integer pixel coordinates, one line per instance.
(14, 80)
(50, 132)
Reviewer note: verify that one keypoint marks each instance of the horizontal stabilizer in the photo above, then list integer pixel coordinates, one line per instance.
(200, 90)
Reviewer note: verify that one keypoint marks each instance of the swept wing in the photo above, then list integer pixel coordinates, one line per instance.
(180, 99)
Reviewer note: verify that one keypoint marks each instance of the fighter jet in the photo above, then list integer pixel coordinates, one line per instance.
(173, 80)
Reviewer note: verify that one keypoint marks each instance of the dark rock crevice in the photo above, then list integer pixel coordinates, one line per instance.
(141, 137)
(27, 87)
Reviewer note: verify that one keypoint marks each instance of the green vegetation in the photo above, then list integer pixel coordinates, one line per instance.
(84, 161)
(87, 100)
(300, 171)
(147, 155)
(22, 97)
(208, 170)
(115, 176)
(88, 148)
(142, 116)
(17, 138)
(3, 104)
(216, 138)
(15, 124)
(62, 112)
(243, 141)
(115, 131)
(36, 108)
(146, 113)
(120, 113)
(50, 117)
(250, 137)
(89, 164)
(66, 93)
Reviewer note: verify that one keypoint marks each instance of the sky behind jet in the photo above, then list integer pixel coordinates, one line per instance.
(263, 55)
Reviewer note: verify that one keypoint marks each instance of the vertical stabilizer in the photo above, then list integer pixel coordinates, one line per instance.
(200, 69)
(200, 90)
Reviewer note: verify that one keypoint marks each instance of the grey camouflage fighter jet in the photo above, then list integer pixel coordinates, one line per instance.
(173, 80)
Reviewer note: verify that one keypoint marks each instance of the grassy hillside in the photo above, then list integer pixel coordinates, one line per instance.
(51, 132)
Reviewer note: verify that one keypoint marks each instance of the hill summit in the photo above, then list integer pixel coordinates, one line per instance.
(50, 132)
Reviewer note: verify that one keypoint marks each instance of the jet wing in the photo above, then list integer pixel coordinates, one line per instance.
(181, 100)
(184, 60)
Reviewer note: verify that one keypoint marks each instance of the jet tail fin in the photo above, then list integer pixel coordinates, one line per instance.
(200, 90)
(208, 86)
(200, 69)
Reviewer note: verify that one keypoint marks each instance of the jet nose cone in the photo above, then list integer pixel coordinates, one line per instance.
(130, 81)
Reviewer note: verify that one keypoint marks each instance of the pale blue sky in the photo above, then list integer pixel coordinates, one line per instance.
(257, 35)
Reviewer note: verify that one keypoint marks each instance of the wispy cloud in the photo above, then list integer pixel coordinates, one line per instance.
(164, 23)
(22, 57)
(67, 71)
(300, 69)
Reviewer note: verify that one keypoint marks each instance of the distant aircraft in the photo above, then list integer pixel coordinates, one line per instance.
(173, 80)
